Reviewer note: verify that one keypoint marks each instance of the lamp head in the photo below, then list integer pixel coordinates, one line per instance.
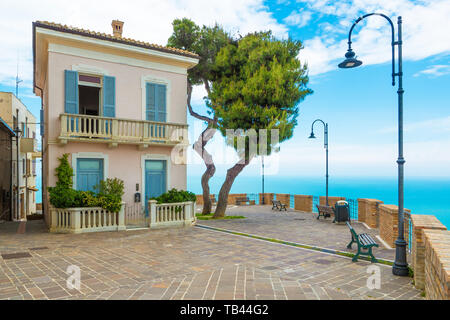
(312, 136)
(350, 60)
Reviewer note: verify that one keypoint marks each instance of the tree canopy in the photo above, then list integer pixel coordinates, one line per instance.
(258, 83)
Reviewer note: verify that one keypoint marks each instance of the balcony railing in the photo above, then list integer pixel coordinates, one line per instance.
(120, 131)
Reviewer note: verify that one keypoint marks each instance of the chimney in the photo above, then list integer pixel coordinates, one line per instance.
(117, 28)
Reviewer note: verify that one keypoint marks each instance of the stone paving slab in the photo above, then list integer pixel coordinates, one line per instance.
(182, 263)
(297, 226)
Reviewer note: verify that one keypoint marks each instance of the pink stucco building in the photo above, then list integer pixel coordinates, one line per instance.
(116, 105)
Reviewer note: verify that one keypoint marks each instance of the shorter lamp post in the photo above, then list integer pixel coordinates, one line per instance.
(325, 139)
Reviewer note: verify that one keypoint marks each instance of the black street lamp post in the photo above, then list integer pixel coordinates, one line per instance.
(400, 267)
(325, 143)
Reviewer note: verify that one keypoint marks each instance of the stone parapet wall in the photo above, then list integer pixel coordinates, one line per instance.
(437, 264)
(199, 197)
(268, 197)
(368, 212)
(419, 224)
(388, 223)
(284, 198)
(303, 203)
(232, 197)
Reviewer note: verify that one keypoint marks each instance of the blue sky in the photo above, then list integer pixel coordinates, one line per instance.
(359, 104)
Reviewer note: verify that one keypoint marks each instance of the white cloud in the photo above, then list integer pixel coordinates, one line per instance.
(424, 31)
(298, 18)
(144, 20)
(435, 70)
(433, 126)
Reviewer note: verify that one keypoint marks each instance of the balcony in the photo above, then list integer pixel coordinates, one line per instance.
(114, 131)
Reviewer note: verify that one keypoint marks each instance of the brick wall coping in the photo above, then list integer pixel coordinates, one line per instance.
(421, 221)
(365, 199)
(439, 240)
(392, 207)
(302, 195)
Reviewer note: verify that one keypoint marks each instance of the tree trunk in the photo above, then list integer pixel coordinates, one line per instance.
(222, 202)
(207, 204)
(199, 147)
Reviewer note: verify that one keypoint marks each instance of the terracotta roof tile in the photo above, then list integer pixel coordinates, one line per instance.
(109, 37)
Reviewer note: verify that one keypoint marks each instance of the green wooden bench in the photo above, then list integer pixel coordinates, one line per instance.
(324, 211)
(364, 241)
(276, 204)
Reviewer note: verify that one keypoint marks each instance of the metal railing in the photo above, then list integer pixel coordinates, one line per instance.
(316, 201)
(254, 197)
(353, 208)
(408, 224)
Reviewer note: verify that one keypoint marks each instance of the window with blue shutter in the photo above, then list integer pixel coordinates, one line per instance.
(89, 174)
(71, 92)
(109, 96)
(156, 102)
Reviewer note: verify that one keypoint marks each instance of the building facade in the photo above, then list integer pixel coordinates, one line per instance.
(117, 106)
(24, 154)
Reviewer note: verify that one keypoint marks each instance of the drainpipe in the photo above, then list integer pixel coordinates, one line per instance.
(17, 166)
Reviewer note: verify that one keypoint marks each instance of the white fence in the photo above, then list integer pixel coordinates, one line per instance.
(171, 214)
(92, 219)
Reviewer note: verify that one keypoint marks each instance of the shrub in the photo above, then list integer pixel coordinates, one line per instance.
(64, 173)
(111, 186)
(174, 195)
(109, 195)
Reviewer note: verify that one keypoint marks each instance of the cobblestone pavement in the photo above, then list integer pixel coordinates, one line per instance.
(183, 263)
(297, 226)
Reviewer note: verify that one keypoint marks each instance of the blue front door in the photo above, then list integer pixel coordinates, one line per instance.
(155, 179)
(89, 173)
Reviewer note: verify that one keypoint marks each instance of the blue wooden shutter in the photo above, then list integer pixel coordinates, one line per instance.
(150, 104)
(109, 96)
(156, 102)
(71, 92)
(161, 104)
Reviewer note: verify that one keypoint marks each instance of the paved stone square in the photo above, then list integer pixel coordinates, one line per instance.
(185, 263)
(297, 226)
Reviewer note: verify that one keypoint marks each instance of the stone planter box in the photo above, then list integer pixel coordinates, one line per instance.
(81, 220)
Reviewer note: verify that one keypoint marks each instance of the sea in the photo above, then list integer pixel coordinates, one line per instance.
(422, 195)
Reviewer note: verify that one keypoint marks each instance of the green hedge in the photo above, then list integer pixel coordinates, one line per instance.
(174, 196)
